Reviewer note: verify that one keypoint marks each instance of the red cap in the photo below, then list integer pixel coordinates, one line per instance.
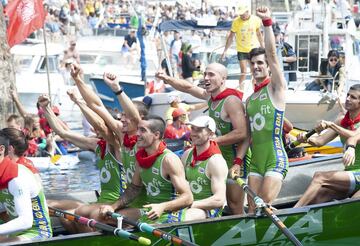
(56, 110)
(177, 112)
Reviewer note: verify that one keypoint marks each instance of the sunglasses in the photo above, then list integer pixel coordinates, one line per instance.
(333, 60)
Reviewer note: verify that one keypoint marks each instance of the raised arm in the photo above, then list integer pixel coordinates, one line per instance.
(228, 43)
(236, 112)
(128, 106)
(18, 104)
(183, 85)
(73, 137)
(278, 82)
(217, 170)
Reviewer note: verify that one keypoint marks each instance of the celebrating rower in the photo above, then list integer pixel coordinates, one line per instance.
(205, 170)
(22, 197)
(326, 186)
(162, 173)
(226, 108)
(265, 115)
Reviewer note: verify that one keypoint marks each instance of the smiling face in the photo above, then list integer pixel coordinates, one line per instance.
(127, 126)
(352, 100)
(214, 77)
(146, 137)
(200, 135)
(259, 67)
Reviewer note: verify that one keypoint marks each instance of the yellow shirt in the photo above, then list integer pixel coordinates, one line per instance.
(170, 110)
(245, 31)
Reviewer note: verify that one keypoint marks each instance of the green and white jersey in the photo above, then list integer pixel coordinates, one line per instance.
(200, 183)
(15, 200)
(356, 165)
(112, 177)
(224, 127)
(158, 188)
(266, 123)
(129, 161)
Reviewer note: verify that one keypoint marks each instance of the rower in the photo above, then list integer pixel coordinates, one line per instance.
(205, 170)
(265, 115)
(22, 197)
(162, 173)
(329, 185)
(226, 108)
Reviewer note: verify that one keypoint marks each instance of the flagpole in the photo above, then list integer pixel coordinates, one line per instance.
(47, 63)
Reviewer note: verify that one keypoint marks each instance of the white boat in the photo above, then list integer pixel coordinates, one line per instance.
(52, 163)
(31, 80)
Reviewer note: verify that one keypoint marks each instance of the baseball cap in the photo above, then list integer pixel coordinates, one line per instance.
(242, 9)
(204, 121)
(172, 98)
(177, 112)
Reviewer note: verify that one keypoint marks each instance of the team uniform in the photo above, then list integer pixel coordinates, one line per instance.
(158, 190)
(354, 170)
(266, 122)
(224, 127)
(200, 183)
(22, 197)
(112, 177)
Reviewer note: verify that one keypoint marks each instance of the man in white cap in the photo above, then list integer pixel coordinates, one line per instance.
(246, 28)
(205, 170)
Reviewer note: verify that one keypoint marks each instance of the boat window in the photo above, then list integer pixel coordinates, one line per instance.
(52, 64)
(87, 59)
(22, 62)
(307, 47)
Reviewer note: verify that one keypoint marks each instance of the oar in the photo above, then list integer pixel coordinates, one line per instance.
(97, 225)
(296, 143)
(265, 207)
(144, 227)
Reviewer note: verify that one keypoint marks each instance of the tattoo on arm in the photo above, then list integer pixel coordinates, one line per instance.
(129, 195)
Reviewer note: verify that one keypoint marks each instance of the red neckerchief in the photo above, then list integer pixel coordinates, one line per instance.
(262, 84)
(8, 171)
(32, 147)
(27, 163)
(227, 92)
(146, 161)
(45, 126)
(129, 142)
(348, 123)
(102, 145)
(212, 150)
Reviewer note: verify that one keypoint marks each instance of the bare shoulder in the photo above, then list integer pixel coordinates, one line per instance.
(171, 161)
(217, 160)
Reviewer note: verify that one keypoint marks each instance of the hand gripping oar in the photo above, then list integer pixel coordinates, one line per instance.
(144, 227)
(97, 225)
(296, 143)
(265, 207)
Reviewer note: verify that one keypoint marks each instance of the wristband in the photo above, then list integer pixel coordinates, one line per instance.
(350, 146)
(267, 22)
(238, 161)
(119, 92)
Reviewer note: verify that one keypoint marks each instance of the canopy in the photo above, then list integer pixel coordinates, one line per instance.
(173, 25)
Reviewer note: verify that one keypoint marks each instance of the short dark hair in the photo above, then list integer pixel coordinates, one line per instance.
(156, 124)
(141, 107)
(17, 139)
(4, 141)
(355, 87)
(256, 52)
(332, 53)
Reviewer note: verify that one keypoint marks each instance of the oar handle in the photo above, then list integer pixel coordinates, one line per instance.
(122, 233)
(296, 143)
(144, 227)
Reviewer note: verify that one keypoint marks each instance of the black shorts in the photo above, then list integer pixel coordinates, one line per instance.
(243, 56)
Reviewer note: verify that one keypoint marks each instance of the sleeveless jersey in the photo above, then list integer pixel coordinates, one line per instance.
(41, 227)
(112, 178)
(129, 161)
(356, 165)
(222, 128)
(266, 123)
(158, 188)
(200, 183)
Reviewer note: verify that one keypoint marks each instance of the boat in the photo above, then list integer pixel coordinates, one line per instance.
(31, 79)
(57, 162)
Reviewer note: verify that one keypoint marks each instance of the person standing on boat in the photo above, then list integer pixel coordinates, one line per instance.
(265, 110)
(205, 170)
(227, 109)
(246, 29)
(162, 174)
(326, 186)
(22, 197)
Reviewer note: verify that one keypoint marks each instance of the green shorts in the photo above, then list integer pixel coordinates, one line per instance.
(214, 213)
(43, 232)
(354, 176)
(176, 216)
(272, 169)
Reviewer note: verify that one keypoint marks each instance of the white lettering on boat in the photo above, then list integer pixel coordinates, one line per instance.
(244, 232)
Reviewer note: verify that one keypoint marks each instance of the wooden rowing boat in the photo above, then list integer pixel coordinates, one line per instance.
(332, 223)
